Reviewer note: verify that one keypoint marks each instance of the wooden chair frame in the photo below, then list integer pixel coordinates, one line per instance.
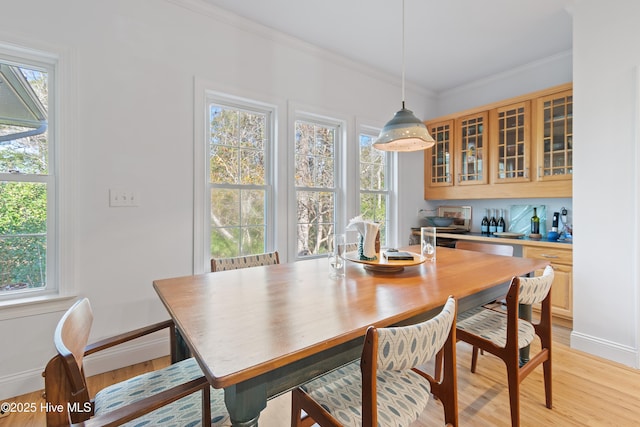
(510, 354)
(445, 390)
(66, 385)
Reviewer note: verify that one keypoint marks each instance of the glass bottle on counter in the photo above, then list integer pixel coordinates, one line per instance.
(493, 223)
(484, 225)
(535, 222)
(501, 224)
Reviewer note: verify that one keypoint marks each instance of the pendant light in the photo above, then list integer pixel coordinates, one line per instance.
(404, 132)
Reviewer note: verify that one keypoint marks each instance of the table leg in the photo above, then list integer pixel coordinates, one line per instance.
(245, 401)
(181, 351)
(524, 312)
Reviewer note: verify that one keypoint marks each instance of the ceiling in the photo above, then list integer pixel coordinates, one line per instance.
(447, 42)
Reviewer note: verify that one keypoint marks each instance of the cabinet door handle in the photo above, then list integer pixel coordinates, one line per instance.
(549, 256)
(539, 171)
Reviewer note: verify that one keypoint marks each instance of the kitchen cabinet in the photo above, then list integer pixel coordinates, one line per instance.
(511, 141)
(470, 149)
(555, 127)
(439, 159)
(515, 148)
(561, 260)
(460, 152)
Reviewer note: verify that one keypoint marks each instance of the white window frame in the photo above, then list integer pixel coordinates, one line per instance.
(390, 179)
(310, 114)
(60, 288)
(202, 200)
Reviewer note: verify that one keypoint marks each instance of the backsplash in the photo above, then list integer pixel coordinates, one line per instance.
(479, 206)
(519, 220)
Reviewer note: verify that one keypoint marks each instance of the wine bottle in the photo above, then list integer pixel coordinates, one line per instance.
(493, 224)
(484, 226)
(501, 223)
(535, 222)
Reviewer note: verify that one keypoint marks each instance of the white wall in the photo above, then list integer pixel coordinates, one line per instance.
(606, 190)
(135, 64)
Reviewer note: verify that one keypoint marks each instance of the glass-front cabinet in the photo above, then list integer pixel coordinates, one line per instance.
(520, 147)
(440, 157)
(555, 127)
(512, 142)
(471, 149)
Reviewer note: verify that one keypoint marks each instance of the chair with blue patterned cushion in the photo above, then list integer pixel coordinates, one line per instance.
(504, 334)
(385, 388)
(178, 395)
(222, 264)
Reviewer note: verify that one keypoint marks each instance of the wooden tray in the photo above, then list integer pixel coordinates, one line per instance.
(508, 235)
(384, 265)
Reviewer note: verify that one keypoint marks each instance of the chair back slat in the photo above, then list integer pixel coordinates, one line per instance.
(234, 263)
(70, 338)
(535, 289)
(72, 333)
(406, 347)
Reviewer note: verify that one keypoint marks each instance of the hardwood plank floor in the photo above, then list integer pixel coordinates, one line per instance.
(588, 391)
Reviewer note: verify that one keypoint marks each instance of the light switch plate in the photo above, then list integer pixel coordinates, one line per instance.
(123, 198)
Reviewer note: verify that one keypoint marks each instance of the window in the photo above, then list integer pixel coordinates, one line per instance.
(240, 140)
(374, 184)
(27, 178)
(317, 143)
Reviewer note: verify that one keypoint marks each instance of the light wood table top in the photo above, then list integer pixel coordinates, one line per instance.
(264, 330)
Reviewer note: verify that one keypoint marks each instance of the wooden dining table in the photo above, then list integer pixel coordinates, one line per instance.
(259, 332)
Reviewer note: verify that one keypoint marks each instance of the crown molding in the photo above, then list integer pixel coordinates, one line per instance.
(505, 74)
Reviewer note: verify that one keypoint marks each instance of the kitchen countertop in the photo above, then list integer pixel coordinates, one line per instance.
(523, 241)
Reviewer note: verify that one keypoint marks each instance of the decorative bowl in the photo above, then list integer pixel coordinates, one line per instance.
(441, 221)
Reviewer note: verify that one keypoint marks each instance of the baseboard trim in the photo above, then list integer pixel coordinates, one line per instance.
(107, 360)
(623, 354)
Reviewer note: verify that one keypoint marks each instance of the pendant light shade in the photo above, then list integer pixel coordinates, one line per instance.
(404, 132)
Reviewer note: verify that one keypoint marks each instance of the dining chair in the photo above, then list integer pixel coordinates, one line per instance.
(385, 387)
(234, 263)
(504, 334)
(176, 395)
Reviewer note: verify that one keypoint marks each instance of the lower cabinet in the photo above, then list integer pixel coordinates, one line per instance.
(562, 289)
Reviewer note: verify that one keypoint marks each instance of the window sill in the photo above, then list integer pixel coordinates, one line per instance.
(34, 306)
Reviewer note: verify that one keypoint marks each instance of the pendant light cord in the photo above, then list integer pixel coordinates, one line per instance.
(403, 54)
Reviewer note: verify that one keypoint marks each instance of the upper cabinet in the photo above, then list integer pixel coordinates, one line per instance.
(521, 147)
(471, 154)
(439, 158)
(512, 142)
(555, 127)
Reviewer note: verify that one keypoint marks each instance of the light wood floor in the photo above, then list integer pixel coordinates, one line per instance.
(588, 391)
